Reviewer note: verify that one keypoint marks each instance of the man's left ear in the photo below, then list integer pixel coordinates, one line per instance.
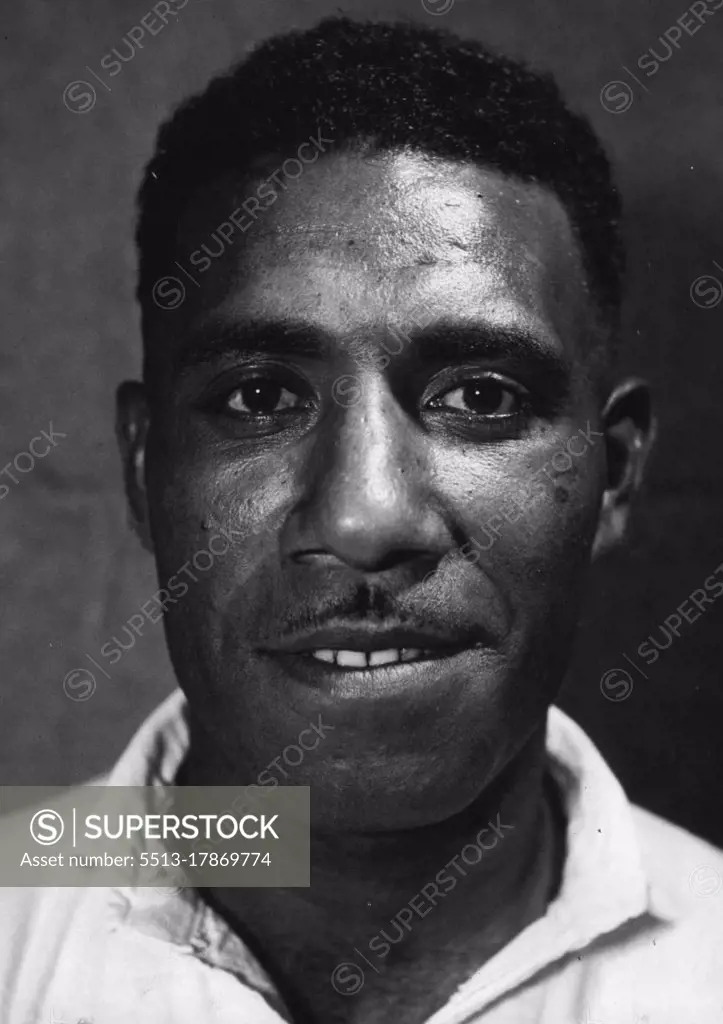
(132, 423)
(630, 428)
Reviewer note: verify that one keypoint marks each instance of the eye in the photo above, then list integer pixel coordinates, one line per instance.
(262, 396)
(485, 396)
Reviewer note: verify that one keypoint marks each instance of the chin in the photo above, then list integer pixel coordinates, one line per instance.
(409, 795)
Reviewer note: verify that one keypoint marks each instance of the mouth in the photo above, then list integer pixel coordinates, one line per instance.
(380, 659)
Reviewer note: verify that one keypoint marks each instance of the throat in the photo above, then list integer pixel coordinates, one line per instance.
(412, 916)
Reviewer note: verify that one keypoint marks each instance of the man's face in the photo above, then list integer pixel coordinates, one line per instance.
(432, 495)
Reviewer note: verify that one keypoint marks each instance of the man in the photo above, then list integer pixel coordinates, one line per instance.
(402, 534)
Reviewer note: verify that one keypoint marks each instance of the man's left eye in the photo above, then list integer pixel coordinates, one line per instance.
(262, 396)
(488, 396)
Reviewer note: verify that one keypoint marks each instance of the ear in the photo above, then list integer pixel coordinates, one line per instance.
(132, 423)
(629, 427)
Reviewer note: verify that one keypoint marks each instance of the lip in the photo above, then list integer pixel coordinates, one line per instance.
(427, 679)
(366, 637)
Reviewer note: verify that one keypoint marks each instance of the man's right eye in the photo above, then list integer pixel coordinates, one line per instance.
(261, 396)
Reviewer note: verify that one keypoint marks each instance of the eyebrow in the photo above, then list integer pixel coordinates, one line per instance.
(262, 337)
(444, 342)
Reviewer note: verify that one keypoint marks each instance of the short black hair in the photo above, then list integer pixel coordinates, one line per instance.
(391, 87)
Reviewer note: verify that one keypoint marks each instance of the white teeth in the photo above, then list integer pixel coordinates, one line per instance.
(325, 655)
(384, 657)
(351, 659)
(370, 659)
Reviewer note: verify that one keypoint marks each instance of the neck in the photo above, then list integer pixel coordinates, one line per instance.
(500, 858)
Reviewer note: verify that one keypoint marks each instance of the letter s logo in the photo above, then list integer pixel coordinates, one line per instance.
(46, 827)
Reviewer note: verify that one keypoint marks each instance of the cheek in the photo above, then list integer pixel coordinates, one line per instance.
(219, 518)
(540, 515)
(180, 512)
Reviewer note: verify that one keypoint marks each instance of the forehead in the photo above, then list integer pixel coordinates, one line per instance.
(367, 238)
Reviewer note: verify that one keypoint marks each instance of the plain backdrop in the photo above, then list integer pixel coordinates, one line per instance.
(72, 573)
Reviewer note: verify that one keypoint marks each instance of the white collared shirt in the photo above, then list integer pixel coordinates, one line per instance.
(634, 935)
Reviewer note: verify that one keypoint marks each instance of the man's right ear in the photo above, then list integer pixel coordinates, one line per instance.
(132, 423)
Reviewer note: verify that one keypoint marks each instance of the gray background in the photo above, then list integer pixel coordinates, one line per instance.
(72, 573)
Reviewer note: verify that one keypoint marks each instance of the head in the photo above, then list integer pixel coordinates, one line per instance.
(380, 437)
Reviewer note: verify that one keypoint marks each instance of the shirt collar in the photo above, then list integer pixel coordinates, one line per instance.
(604, 883)
(153, 758)
(605, 880)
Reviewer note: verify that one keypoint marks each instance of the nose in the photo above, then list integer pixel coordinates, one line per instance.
(370, 501)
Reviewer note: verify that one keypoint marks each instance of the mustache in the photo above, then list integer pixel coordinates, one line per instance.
(361, 601)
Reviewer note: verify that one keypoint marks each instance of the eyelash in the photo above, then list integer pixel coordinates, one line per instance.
(278, 376)
(521, 394)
